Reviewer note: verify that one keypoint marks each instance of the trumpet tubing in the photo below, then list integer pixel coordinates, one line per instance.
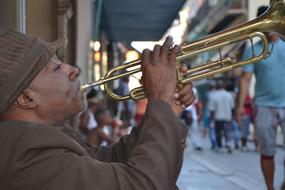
(273, 20)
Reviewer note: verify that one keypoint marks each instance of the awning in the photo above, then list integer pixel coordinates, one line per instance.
(138, 20)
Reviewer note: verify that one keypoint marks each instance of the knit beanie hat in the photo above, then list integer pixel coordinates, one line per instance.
(21, 59)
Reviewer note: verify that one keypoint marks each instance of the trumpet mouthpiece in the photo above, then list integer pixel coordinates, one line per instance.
(85, 87)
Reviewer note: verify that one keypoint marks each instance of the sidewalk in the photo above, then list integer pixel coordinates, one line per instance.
(218, 170)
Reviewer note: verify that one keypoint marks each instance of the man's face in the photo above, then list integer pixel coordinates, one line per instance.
(57, 91)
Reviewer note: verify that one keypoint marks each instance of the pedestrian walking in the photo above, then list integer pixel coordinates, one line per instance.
(221, 106)
(269, 100)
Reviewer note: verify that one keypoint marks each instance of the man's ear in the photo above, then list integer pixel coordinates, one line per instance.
(26, 100)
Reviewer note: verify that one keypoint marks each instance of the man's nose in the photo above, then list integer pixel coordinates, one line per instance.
(74, 73)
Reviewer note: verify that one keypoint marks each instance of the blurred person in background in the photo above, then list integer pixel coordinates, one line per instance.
(87, 120)
(269, 100)
(246, 121)
(191, 117)
(235, 131)
(221, 106)
(126, 109)
(118, 130)
(140, 110)
(102, 134)
(207, 116)
(38, 93)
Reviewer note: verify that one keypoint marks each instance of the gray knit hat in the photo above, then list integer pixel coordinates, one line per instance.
(21, 59)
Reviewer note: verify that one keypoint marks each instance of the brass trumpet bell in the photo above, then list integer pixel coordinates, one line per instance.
(273, 20)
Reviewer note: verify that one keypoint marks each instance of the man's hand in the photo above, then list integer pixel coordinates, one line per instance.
(160, 80)
(159, 72)
(184, 97)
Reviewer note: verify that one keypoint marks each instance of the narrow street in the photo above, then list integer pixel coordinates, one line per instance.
(212, 170)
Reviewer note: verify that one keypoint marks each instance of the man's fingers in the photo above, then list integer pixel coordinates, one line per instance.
(189, 101)
(166, 46)
(156, 52)
(173, 54)
(145, 57)
(185, 96)
(145, 60)
(186, 89)
(183, 68)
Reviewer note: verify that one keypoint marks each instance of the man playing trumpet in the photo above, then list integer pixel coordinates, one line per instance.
(38, 93)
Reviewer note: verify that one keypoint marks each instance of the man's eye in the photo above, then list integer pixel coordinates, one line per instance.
(57, 67)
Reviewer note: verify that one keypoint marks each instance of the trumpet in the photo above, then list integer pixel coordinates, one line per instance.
(273, 20)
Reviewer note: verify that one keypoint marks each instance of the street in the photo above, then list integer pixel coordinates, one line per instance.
(212, 170)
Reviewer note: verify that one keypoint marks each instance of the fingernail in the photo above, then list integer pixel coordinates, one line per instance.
(170, 39)
(176, 95)
(177, 48)
(183, 106)
(177, 103)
